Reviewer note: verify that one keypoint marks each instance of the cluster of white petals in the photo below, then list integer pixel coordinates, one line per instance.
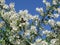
(51, 22)
(22, 28)
(58, 23)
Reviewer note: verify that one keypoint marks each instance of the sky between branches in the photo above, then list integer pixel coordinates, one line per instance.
(30, 5)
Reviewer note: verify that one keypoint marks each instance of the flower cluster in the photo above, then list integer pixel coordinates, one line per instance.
(23, 28)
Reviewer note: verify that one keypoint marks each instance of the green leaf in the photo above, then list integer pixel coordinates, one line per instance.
(0, 31)
(3, 42)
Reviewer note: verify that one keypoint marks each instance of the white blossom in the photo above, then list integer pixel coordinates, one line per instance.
(29, 16)
(5, 6)
(43, 43)
(46, 32)
(23, 24)
(16, 23)
(58, 10)
(35, 17)
(11, 5)
(53, 41)
(39, 9)
(33, 29)
(23, 12)
(14, 17)
(2, 24)
(47, 5)
(15, 28)
(51, 22)
(44, 1)
(27, 24)
(18, 42)
(58, 23)
(38, 40)
(2, 1)
(20, 25)
(27, 32)
(56, 15)
(6, 15)
(17, 36)
(54, 2)
(11, 38)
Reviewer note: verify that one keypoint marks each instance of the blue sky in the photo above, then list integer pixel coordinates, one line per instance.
(27, 4)
(30, 5)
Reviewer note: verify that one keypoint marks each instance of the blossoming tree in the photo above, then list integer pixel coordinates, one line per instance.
(22, 28)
